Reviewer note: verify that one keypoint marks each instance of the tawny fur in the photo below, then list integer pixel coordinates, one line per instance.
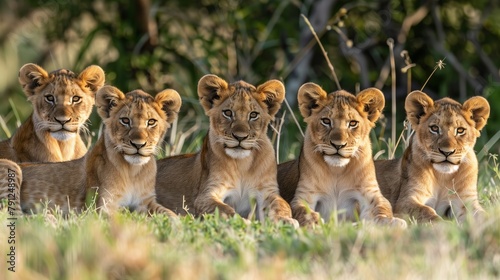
(121, 167)
(236, 163)
(62, 102)
(437, 175)
(334, 173)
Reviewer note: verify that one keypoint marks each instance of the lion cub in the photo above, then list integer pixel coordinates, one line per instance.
(236, 163)
(62, 103)
(121, 167)
(334, 173)
(437, 175)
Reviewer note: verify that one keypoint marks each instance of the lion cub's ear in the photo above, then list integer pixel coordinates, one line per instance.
(309, 97)
(107, 98)
(417, 105)
(93, 77)
(170, 102)
(372, 102)
(30, 77)
(272, 94)
(477, 109)
(210, 88)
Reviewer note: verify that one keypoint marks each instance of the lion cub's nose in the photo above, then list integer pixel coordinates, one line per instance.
(62, 120)
(338, 146)
(137, 144)
(447, 153)
(240, 136)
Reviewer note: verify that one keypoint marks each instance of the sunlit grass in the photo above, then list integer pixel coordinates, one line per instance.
(132, 246)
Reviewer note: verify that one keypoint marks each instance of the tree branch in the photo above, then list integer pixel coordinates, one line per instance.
(408, 23)
(321, 12)
(450, 57)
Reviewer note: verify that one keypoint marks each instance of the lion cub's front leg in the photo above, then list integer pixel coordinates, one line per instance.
(209, 200)
(154, 207)
(379, 208)
(305, 216)
(412, 201)
(417, 210)
(279, 210)
(303, 213)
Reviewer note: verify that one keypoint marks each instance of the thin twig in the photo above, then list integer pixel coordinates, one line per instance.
(439, 65)
(294, 118)
(390, 42)
(180, 143)
(5, 128)
(407, 69)
(323, 50)
(391, 156)
(280, 126)
(408, 23)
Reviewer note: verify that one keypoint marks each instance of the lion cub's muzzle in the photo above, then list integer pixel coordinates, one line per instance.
(336, 154)
(137, 153)
(63, 128)
(446, 160)
(238, 145)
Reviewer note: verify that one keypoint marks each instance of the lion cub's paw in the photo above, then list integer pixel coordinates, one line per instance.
(392, 221)
(479, 217)
(310, 220)
(227, 214)
(246, 221)
(175, 220)
(290, 221)
(397, 222)
(430, 218)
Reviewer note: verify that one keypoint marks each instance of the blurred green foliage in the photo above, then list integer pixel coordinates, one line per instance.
(170, 44)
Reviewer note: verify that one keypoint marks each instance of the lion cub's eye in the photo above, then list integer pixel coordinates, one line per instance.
(152, 122)
(326, 122)
(353, 124)
(125, 121)
(254, 116)
(49, 99)
(460, 131)
(434, 129)
(227, 113)
(76, 99)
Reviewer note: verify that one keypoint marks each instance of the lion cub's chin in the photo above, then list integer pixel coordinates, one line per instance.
(63, 135)
(136, 159)
(336, 161)
(237, 153)
(446, 168)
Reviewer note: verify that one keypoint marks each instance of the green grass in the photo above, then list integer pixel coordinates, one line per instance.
(131, 246)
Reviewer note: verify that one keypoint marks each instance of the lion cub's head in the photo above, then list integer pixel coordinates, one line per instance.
(445, 129)
(62, 101)
(339, 122)
(135, 122)
(239, 112)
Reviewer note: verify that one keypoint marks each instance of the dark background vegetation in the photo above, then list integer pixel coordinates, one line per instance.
(170, 44)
